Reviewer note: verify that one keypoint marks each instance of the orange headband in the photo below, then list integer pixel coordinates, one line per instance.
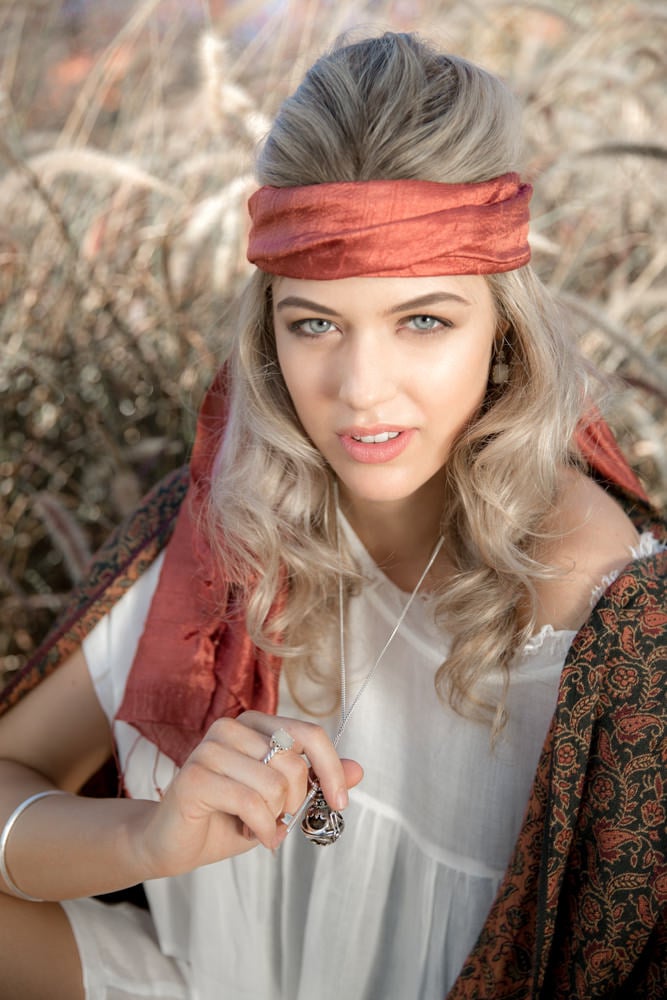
(390, 228)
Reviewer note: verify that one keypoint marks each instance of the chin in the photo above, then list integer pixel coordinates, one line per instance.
(379, 491)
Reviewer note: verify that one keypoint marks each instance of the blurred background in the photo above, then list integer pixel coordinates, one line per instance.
(127, 135)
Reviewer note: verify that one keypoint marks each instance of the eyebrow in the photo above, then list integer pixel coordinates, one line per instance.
(433, 298)
(296, 300)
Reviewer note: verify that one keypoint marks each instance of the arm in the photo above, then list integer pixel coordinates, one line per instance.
(68, 846)
(57, 738)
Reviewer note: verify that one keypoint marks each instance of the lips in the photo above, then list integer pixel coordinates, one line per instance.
(374, 445)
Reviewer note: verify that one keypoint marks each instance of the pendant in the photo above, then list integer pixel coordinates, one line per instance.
(322, 825)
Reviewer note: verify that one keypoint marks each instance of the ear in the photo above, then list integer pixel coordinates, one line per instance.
(502, 326)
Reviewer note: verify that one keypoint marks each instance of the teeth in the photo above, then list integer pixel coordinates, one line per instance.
(377, 438)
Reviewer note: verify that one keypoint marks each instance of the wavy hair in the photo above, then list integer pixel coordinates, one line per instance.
(393, 108)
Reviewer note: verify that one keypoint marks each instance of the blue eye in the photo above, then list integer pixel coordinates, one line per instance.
(424, 323)
(312, 327)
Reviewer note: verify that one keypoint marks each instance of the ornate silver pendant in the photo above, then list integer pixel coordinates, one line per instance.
(322, 825)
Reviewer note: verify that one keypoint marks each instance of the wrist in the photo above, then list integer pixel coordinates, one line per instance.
(5, 834)
(139, 840)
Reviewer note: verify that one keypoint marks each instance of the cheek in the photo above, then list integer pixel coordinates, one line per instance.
(461, 375)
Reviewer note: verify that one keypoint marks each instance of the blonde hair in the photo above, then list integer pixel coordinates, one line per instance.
(392, 108)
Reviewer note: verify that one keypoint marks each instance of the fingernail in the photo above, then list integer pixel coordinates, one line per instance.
(341, 799)
(281, 833)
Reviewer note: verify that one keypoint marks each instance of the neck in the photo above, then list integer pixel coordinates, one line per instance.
(400, 535)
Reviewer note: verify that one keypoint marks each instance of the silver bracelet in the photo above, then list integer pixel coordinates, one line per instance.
(4, 837)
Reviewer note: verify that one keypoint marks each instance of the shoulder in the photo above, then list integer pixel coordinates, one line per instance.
(592, 538)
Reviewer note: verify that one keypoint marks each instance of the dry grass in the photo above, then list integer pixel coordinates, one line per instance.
(126, 148)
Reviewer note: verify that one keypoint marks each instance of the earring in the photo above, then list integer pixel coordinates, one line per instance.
(500, 371)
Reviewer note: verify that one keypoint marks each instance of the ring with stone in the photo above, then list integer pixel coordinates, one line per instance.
(280, 740)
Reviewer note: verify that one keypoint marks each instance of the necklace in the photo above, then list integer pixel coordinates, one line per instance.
(321, 824)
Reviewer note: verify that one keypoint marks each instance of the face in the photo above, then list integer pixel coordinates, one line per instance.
(384, 373)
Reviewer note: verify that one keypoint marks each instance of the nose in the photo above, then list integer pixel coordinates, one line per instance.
(366, 371)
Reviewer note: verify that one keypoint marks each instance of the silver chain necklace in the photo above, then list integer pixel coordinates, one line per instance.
(321, 824)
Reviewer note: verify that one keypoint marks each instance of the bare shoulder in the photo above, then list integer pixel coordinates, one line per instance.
(594, 539)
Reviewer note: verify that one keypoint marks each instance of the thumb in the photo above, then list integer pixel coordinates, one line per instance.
(354, 772)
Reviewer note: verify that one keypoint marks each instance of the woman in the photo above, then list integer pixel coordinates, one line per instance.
(387, 498)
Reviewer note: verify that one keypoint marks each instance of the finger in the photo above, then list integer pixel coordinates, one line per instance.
(253, 819)
(251, 727)
(243, 735)
(240, 735)
(312, 741)
(354, 772)
(219, 760)
(227, 801)
(295, 770)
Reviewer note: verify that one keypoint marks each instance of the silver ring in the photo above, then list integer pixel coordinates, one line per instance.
(280, 740)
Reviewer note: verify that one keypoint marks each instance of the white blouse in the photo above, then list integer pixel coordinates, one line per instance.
(393, 908)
